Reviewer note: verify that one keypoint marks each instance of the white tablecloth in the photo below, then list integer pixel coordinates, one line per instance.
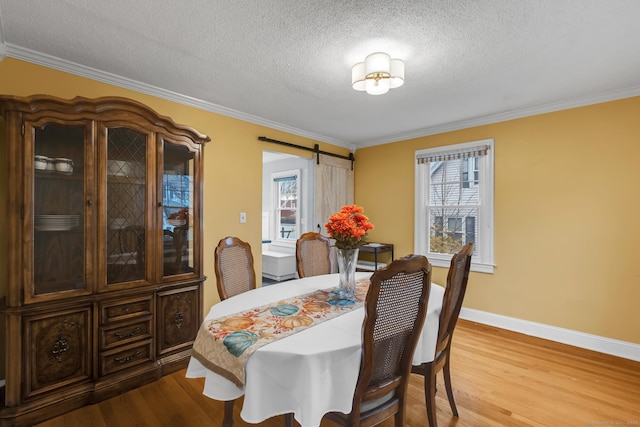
(311, 372)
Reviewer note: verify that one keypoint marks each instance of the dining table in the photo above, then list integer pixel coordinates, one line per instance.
(308, 373)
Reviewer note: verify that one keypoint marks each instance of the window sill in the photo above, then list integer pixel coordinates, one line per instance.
(444, 262)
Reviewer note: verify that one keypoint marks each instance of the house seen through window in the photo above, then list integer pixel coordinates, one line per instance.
(454, 203)
(287, 205)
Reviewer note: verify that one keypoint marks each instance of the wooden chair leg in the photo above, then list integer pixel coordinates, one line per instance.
(228, 413)
(400, 418)
(447, 385)
(288, 420)
(430, 394)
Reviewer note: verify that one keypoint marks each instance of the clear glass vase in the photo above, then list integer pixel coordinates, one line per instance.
(347, 261)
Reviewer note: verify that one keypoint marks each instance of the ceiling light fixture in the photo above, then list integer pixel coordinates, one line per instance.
(377, 74)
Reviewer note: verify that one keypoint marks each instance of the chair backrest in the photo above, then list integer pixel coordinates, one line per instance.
(313, 255)
(453, 295)
(395, 310)
(126, 254)
(234, 267)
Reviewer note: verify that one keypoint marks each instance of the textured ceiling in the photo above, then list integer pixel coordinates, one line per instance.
(287, 64)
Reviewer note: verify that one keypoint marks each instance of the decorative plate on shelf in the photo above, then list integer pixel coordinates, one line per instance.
(56, 222)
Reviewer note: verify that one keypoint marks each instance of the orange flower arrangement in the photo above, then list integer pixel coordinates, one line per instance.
(349, 227)
(181, 214)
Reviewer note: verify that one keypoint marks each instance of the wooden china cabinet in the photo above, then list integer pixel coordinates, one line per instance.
(104, 272)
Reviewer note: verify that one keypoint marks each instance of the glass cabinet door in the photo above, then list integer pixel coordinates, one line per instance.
(126, 240)
(59, 262)
(178, 206)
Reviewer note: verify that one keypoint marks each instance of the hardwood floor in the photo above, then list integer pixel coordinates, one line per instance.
(500, 378)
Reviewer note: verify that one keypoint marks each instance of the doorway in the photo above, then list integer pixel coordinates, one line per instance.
(287, 211)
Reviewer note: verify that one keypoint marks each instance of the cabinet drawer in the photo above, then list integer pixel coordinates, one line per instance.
(115, 311)
(124, 333)
(126, 357)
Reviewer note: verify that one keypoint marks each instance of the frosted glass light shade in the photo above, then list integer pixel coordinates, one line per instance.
(397, 73)
(377, 63)
(377, 74)
(377, 87)
(358, 76)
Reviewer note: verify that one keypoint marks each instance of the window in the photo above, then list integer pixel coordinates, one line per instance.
(287, 205)
(177, 196)
(470, 172)
(454, 203)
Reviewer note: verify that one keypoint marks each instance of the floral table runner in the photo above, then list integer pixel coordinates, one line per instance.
(224, 345)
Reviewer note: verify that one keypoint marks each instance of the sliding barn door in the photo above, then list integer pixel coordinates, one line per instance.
(333, 189)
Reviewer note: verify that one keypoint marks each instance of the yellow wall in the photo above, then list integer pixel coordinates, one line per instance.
(567, 197)
(233, 158)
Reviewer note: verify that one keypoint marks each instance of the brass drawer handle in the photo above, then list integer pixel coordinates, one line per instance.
(123, 335)
(128, 358)
(59, 348)
(178, 319)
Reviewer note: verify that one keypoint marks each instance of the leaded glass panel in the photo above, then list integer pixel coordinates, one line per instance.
(126, 205)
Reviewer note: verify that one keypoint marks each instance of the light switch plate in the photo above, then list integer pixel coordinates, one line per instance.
(243, 217)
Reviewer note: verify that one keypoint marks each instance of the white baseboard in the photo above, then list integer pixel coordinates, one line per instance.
(597, 343)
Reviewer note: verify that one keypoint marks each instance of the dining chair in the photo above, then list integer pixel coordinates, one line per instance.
(395, 310)
(126, 259)
(313, 255)
(234, 267)
(451, 304)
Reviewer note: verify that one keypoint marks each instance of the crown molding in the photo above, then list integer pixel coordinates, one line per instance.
(3, 48)
(28, 55)
(505, 116)
(53, 62)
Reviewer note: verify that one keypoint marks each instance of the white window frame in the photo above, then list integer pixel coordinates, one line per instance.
(276, 203)
(482, 261)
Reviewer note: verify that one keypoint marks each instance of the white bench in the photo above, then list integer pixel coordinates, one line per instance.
(278, 265)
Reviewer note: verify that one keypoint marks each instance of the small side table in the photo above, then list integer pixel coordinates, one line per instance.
(375, 249)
